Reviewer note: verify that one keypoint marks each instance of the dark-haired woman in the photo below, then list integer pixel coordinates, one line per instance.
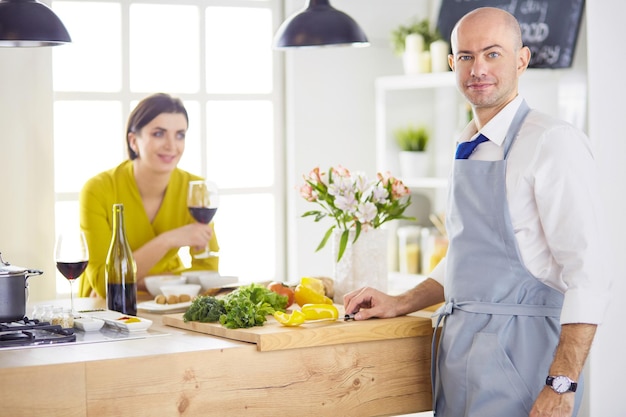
(153, 190)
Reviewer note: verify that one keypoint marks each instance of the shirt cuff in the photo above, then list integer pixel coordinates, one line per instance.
(439, 272)
(584, 306)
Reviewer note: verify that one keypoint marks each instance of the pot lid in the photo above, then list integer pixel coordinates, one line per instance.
(7, 269)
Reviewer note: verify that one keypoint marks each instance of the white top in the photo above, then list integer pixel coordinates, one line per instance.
(552, 191)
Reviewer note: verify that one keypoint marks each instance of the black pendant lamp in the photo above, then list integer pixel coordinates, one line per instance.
(25, 23)
(319, 24)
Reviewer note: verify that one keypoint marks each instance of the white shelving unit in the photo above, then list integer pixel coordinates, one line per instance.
(431, 100)
(422, 99)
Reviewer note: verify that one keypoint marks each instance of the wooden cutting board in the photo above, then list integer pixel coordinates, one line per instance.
(274, 336)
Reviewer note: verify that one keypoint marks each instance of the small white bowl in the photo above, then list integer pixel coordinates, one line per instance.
(88, 324)
(209, 279)
(190, 289)
(154, 283)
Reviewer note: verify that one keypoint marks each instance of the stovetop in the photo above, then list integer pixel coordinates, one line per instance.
(32, 332)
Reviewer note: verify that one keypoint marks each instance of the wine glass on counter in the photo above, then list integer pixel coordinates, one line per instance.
(203, 201)
(71, 256)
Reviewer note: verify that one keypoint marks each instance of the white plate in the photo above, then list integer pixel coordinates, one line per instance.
(153, 307)
(88, 324)
(115, 320)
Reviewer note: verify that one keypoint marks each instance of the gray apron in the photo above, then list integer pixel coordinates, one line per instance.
(500, 324)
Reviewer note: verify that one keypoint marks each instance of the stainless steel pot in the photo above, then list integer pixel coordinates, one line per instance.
(14, 290)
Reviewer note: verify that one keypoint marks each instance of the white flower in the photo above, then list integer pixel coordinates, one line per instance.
(366, 212)
(346, 202)
(380, 194)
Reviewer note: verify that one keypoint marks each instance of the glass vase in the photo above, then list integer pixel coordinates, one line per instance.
(364, 263)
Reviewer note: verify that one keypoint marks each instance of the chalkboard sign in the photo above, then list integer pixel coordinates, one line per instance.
(549, 27)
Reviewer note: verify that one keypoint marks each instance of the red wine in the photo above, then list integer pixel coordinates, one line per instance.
(122, 298)
(72, 270)
(203, 214)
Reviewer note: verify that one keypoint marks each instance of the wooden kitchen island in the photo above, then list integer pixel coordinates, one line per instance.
(185, 373)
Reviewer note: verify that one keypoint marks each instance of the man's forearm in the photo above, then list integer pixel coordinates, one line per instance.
(571, 353)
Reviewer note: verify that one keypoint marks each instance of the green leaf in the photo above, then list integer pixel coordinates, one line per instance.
(327, 236)
(343, 242)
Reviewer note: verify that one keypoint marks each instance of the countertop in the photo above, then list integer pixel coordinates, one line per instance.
(188, 373)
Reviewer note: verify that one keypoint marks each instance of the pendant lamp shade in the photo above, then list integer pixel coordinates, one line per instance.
(25, 23)
(319, 24)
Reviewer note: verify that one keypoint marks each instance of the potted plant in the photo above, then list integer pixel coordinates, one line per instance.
(412, 142)
(413, 43)
(422, 28)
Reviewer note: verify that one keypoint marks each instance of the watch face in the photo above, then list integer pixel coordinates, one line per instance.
(561, 384)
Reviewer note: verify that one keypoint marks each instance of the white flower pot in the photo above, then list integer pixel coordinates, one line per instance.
(414, 164)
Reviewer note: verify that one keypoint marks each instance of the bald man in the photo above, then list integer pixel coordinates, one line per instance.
(523, 284)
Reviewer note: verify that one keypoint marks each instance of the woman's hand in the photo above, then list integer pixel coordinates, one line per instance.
(196, 235)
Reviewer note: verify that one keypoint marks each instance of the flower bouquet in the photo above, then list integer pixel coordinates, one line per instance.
(354, 201)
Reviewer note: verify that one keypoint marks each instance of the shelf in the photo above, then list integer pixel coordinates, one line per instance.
(416, 81)
(431, 182)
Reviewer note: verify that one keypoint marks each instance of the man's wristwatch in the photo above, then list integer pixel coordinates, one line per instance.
(561, 384)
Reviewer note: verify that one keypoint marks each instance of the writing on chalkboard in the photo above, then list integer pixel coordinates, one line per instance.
(549, 27)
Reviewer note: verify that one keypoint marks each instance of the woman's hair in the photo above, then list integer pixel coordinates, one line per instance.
(149, 108)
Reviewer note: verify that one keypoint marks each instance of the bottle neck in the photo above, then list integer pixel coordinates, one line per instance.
(118, 221)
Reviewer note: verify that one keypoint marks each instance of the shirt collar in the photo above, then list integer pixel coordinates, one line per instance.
(498, 127)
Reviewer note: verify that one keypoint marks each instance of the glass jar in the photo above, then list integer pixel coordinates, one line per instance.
(67, 321)
(39, 312)
(409, 249)
(434, 246)
(46, 313)
(57, 316)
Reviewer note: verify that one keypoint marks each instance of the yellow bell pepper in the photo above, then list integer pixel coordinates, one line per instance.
(294, 319)
(308, 295)
(320, 312)
(314, 283)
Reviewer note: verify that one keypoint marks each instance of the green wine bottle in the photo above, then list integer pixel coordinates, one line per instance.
(120, 268)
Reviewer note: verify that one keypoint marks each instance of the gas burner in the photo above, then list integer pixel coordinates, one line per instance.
(31, 332)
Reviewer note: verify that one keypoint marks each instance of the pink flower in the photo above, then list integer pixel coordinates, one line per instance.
(316, 176)
(398, 189)
(306, 191)
(385, 178)
(341, 171)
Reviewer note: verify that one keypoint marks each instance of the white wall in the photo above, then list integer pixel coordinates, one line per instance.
(330, 114)
(26, 167)
(607, 90)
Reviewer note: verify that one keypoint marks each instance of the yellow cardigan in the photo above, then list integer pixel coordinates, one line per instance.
(96, 220)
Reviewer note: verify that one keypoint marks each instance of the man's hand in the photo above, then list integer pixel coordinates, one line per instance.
(551, 404)
(569, 359)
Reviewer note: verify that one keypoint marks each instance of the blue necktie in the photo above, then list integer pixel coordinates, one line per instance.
(465, 149)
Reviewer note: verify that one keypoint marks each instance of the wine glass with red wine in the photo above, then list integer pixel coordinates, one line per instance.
(203, 201)
(71, 256)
